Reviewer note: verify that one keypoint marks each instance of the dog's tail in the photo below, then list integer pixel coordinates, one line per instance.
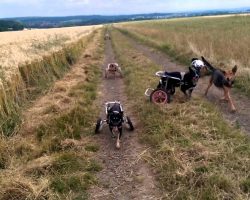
(208, 65)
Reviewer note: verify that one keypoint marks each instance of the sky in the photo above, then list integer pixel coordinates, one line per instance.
(20, 8)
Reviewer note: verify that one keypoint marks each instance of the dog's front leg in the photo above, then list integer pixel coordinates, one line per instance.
(120, 71)
(209, 85)
(118, 141)
(184, 90)
(118, 138)
(225, 97)
(190, 93)
(233, 109)
(111, 130)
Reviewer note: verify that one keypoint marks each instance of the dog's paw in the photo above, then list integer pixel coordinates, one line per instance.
(118, 145)
(233, 110)
(223, 99)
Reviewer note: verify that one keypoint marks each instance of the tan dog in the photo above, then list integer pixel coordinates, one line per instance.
(222, 79)
(107, 37)
(113, 68)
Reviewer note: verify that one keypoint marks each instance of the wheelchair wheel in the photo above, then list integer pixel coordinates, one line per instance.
(130, 124)
(98, 126)
(159, 96)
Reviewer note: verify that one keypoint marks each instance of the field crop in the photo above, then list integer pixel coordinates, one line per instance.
(25, 46)
(225, 41)
(30, 60)
(54, 159)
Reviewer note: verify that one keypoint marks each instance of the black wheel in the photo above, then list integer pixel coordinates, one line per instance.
(130, 124)
(98, 126)
(159, 96)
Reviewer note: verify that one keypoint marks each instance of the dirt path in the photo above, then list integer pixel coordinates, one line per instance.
(241, 118)
(124, 175)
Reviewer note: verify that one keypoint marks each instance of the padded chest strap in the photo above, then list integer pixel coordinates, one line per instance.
(182, 75)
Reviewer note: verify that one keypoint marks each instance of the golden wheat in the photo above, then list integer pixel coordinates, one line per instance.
(25, 46)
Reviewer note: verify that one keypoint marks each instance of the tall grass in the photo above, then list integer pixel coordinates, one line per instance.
(33, 79)
(56, 160)
(224, 41)
(196, 154)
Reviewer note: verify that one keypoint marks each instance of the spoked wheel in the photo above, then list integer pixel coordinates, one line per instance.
(159, 96)
(130, 124)
(98, 126)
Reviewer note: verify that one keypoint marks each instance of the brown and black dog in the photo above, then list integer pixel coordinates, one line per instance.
(222, 79)
(113, 68)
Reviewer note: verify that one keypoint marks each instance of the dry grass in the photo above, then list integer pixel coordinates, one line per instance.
(224, 41)
(53, 160)
(34, 77)
(196, 154)
(25, 46)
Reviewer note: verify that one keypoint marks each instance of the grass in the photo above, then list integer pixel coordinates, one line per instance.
(55, 161)
(224, 41)
(196, 154)
(78, 121)
(35, 78)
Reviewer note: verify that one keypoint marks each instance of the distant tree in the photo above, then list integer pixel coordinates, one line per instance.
(10, 25)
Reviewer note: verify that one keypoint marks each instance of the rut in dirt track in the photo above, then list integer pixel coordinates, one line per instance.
(242, 103)
(125, 176)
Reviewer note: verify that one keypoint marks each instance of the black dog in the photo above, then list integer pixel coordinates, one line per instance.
(186, 81)
(115, 120)
(222, 79)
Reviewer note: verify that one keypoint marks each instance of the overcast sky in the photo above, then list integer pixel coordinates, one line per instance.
(17, 8)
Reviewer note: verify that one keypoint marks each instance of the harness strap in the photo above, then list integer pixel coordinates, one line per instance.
(182, 75)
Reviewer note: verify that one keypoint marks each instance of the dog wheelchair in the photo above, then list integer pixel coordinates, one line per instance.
(115, 119)
(113, 68)
(168, 81)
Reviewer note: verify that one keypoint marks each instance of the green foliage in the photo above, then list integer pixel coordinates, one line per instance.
(68, 162)
(245, 185)
(73, 183)
(10, 25)
(92, 147)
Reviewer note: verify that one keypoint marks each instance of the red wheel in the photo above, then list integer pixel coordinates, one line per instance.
(159, 96)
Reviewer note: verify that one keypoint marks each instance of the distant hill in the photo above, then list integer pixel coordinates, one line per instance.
(53, 22)
(10, 25)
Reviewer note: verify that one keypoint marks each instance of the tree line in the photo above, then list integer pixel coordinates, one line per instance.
(10, 25)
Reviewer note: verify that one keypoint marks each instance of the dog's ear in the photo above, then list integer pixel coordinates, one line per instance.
(193, 59)
(205, 61)
(234, 70)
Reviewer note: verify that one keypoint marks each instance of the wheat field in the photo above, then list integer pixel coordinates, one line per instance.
(30, 61)
(25, 46)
